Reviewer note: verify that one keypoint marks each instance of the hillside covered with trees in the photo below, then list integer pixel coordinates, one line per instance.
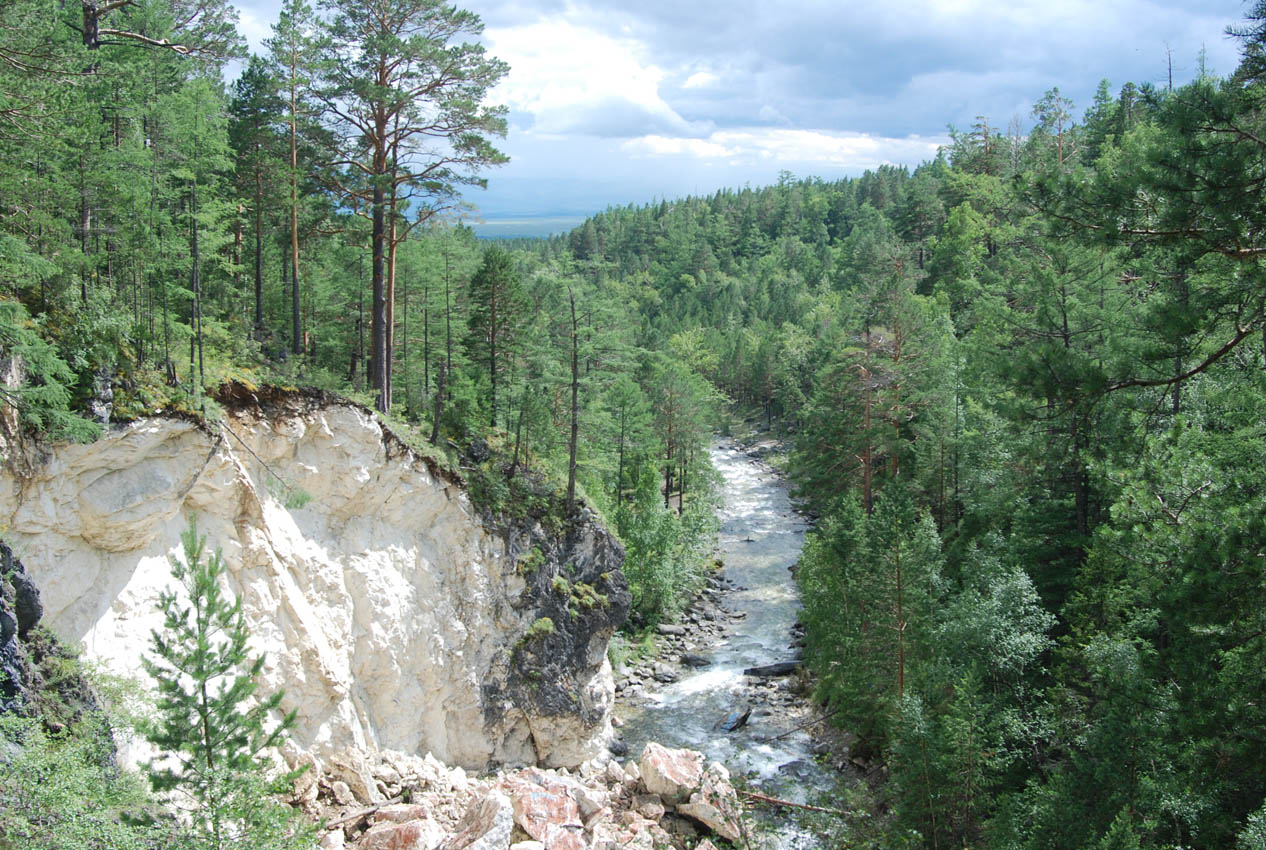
(1025, 382)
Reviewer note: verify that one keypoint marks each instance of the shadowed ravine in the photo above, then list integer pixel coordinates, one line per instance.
(761, 537)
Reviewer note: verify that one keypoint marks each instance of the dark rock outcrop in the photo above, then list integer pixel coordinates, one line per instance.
(579, 592)
(38, 675)
(20, 611)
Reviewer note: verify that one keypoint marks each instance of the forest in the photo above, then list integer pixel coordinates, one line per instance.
(1024, 383)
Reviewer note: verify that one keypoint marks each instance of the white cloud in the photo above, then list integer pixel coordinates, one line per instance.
(649, 146)
(576, 80)
(700, 80)
(836, 150)
(254, 28)
(771, 115)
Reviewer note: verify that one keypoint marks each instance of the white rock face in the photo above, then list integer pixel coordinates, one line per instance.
(383, 605)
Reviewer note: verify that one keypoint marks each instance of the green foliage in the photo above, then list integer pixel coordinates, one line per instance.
(531, 562)
(212, 732)
(666, 554)
(587, 597)
(496, 320)
(291, 496)
(63, 792)
(44, 397)
(541, 627)
(1025, 377)
(872, 584)
(1253, 836)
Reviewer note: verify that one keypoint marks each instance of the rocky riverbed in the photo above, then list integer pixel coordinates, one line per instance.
(686, 648)
(726, 680)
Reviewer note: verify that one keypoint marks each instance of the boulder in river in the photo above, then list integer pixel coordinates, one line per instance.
(737, 720)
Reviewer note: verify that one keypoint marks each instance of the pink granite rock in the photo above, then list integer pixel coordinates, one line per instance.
(545, 809)
(672, 774)
(410, 835)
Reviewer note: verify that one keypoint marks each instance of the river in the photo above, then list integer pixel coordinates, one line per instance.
(760, 538)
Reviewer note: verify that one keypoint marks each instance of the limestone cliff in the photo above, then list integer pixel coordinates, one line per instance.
(390, 611)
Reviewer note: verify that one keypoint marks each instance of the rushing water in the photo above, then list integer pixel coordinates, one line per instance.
(761, 537)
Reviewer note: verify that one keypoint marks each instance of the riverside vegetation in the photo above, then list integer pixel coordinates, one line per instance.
(1026, 380)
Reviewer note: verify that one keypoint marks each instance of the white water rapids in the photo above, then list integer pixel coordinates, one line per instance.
(761, 537)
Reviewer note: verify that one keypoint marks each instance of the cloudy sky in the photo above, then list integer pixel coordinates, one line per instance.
(619, 102)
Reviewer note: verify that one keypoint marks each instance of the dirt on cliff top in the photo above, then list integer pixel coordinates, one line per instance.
(273, 402)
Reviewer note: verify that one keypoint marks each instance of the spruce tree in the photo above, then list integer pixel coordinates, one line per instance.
(213, 735)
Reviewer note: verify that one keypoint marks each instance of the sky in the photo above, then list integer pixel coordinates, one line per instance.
(612, 103)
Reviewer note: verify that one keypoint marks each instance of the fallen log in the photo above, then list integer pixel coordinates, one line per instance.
(360, 813)
(768, 671)
(811, 722)
(774, 801)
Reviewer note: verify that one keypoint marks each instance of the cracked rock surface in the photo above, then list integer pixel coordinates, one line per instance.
(392, 613)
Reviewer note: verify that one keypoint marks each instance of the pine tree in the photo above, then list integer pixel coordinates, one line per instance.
(405, 94)
(214, 735)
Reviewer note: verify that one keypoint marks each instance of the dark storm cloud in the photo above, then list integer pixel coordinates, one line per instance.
(872, 66)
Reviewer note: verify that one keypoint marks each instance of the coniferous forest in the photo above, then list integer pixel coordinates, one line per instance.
(1024, 383)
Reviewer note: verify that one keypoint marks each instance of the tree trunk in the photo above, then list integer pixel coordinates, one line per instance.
(492, 356)
(404, 352)
(518, 434)
(439, 404)
(195, 284)
(85, 226)
(378, 309)
(682, 460)
(668, 474)
(901, 634)
(619, 469)
(1081, 482)
(259, 250)
(426, 340)
(575, 410)
(390, 319)
(296, 329)
(1183, 295)
(239, 241)
(448, 322)
(359, 360)
(867, 459)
